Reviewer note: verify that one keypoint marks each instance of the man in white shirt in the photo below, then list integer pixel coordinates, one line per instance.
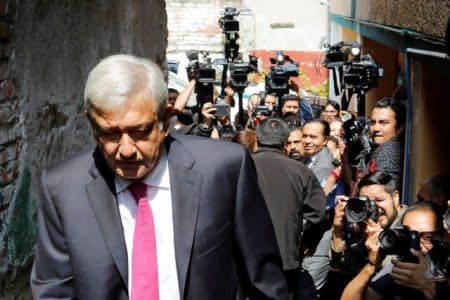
(178, 217)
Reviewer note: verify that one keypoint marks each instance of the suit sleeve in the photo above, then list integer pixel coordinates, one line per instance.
(314, 202)
(51, 276)
(258, 259)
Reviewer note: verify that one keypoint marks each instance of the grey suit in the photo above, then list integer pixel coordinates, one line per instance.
(322, 164)
(222, 229)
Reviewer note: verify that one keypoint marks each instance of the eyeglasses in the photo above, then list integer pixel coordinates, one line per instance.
(428, 236)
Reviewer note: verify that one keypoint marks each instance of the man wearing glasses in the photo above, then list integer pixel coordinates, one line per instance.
(401, 279)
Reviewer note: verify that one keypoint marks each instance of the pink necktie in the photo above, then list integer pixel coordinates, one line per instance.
(144, 262)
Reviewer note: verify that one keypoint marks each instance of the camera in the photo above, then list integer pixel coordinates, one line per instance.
(204, 74)
(360, 209)
(239, 71)
(222, 110)
(278, 78)
(399, 241)
(362, 75)
(338, 54)
(230, 27)
(227, 22)
(357, 211)
(360, 148)
(264, 110)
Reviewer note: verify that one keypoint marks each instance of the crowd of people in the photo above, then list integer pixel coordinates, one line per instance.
(308, 169)
(309, 208)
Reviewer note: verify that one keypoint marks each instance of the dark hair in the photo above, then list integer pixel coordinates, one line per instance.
(335, 105)
(379, 178)
(292, 119)
(245, 137)
(426, 206)
(397, 107)
(291, 97)
(172, 90)
(325, 126)
(272, 132)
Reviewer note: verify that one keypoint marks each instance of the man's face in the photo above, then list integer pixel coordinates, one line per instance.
(129, 137)
(386, 203)
(172, 97)
(270, 100)
(383, 125)
(293, 146)
(291, 106)
(424, 222)
(313, 138)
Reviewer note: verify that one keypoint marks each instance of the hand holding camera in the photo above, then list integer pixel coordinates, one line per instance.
(208, 114)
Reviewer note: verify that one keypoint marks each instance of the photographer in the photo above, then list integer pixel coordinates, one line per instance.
(348, 251)
(387, 122)
(215, 126)
(291, 104)
(409, 275)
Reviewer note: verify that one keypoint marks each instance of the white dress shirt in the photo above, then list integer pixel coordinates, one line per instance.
(160, 201)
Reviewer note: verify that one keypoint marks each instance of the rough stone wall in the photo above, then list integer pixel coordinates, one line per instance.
(426, 16)
(47, 48)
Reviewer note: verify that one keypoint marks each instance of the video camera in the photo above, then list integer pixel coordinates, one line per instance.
(264, 110)
(362, 75)
(357, 211)
(230, 27)
(338, 54)
(202, 71)
(283, 67)
(399, 241)
(352, 72)
(239, 71)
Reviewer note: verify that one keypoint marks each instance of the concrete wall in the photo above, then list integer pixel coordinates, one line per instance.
(307, 20)
(45, 58)
(426, 16)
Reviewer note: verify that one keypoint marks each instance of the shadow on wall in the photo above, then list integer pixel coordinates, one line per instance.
(17, 239)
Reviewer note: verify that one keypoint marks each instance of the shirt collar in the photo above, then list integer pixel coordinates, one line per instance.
(159, 177)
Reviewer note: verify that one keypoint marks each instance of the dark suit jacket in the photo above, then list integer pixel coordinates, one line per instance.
(293, 196)
(221, 225)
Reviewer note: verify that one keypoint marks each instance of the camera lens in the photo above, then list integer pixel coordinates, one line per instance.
(355, 211)
(387, 239)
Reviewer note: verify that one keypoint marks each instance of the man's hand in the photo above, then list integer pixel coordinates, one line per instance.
(293, 86)
(207, 112)
(337, 241)
(373, 230)
(412, 275)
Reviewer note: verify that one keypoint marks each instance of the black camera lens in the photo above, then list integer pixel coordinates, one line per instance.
(388, 239)
(355, 211)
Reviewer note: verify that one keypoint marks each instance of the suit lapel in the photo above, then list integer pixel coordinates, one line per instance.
(185, 185)
(104, 204)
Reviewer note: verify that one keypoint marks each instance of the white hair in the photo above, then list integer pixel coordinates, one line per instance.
(114, 79)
